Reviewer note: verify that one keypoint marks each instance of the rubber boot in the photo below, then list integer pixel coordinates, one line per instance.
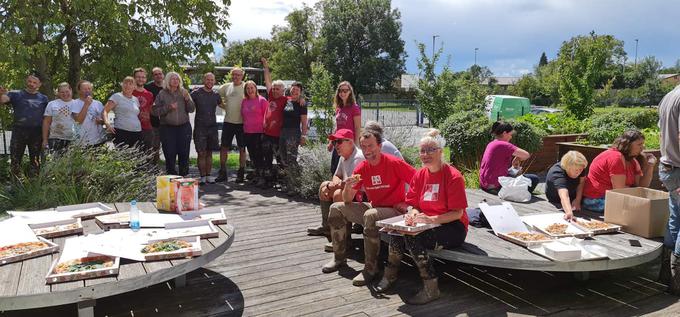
(339, 250)
(428, 293)
(674, 285)
(391, 270)
(371, 251)
(324, 230)
(665, 270)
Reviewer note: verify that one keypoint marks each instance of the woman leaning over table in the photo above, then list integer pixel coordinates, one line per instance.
(436, 195)
(564, 183)
(127, 129)
(618, 167)
(173, 105)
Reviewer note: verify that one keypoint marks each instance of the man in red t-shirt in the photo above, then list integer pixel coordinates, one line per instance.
(145, 103)
(273, 120)
(382, 177)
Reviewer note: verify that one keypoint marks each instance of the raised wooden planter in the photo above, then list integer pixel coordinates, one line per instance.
(543, 159)
(591, 151)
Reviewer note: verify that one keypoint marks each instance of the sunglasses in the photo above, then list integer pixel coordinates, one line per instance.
(343, 90)
(428, 150)
(338, 141)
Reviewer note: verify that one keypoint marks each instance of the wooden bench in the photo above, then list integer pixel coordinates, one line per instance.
(22, 284)
(483, 247)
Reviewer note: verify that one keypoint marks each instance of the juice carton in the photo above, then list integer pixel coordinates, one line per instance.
(165, 192)
(186, 194)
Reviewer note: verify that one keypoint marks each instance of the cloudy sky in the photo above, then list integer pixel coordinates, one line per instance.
(510, 34)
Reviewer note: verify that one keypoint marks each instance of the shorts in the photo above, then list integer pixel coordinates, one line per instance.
(205, 139)
(231, 130)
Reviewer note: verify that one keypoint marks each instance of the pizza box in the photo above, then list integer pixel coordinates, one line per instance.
(397, 223)
(215, 215)
(193, 250)
(58, 228)
(203, 228)
(146, 220)
(50, 248)
(86, 211)
(570, 250)
(583, 223)
(39, 216)
(542, 222)
(505, 223)
(73, 253)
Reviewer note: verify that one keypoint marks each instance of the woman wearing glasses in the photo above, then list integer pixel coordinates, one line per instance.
(436, 195)
(347, 116)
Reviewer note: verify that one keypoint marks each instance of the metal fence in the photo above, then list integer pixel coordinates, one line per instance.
(393, 113)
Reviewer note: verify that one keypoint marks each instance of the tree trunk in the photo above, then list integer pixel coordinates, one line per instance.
(74, 60)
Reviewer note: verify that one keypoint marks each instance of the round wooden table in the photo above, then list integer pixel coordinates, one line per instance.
(22, 284)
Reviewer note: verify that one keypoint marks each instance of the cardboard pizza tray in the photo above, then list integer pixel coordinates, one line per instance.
(541, 222)
(397, 223)
(75, 249)
(57, 228)
(86, 211)
(590, 250)
(504, 220)
(612, 227)
(51, 248)
(194, 250)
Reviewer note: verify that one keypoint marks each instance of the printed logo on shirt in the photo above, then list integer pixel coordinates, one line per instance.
(64, 111)
(341, 119)
(431, 192)
(375, 180)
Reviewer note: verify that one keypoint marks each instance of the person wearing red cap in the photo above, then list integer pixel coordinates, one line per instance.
(382, 177)
(331, 191)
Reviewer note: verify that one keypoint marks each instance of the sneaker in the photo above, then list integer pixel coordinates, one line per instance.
(239, 175)
(210, 179)
(221, 176)
(202, 180)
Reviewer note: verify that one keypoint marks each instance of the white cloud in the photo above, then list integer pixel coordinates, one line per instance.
(251, 19)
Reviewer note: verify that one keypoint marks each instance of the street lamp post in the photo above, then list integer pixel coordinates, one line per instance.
(636, 49)
(476, 49)
(433, 37)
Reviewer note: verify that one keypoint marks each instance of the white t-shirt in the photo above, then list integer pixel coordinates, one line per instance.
(346, 167)
(62, 121)
(127, 113)
(89, 132)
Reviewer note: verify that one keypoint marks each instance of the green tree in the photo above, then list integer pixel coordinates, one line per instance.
(362, 42)
(583, 62)
(297, 45)
(107, 39)
(543, 61)
(321, 88)
(247, 53)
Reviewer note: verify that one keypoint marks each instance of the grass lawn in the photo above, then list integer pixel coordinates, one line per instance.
(619, 109)
(232, 161)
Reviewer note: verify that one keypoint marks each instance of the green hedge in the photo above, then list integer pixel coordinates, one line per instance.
(468, 132)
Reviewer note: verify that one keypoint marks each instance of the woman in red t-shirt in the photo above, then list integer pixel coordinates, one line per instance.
(436, 195)
(347, 116)
(618, 167)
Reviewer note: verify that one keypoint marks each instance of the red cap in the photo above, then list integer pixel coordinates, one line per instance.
(342, 134)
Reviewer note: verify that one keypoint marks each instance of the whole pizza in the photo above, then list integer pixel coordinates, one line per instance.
(528, 236)
(21, 248)
(84, 264)
(166, 246)
(593, 224)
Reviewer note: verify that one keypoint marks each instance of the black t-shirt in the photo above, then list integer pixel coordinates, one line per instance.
(556, 179)
(206, 103)
(154, 89)
(291, 114)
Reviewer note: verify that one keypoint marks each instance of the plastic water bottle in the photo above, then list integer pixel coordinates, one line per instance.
(134, 216)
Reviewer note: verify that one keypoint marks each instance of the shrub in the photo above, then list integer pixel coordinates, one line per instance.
(466, 133)
(555, 123)
(315, 166)
(527, 136)
(645, 118)
(84, 175)
(652, 138)
(604, 128)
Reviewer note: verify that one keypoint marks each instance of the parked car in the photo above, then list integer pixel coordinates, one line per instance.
(540, 110)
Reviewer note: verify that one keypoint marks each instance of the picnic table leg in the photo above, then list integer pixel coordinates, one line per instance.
(582, 276)
(86, 308)
(181, 281)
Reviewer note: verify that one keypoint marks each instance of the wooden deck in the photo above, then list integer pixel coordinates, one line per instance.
(274, 269)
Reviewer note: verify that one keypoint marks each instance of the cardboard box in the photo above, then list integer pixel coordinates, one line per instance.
(186, 194)
(165, 192)
(562, 251)
(640, 211)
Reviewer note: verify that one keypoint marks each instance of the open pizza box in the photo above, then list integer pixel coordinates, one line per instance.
(76, 263)
(18, 242)
(215, 214)
(506, 224)
(142, 245)
(397, 223)
(571, 249)
(554, 225)
(39, 216)
(58, 228)
(86, 211)
(146, 220)
(203, 228)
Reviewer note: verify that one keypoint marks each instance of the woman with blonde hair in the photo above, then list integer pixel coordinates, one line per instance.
(127, 129)
(173, 105)
(253, 109)
(436, 195)
(564, 183)
(347, 116)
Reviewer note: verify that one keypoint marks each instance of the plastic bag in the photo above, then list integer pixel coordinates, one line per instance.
(514, 188)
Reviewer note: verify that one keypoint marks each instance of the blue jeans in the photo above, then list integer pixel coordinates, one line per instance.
(670, 177)
(593, 204)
